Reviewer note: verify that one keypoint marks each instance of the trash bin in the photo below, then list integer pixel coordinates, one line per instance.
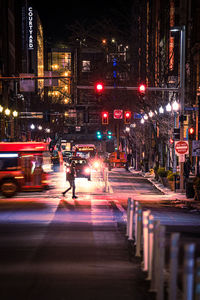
(189, 188)
(176, 182)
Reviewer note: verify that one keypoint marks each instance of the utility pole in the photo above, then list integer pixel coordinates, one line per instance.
(182, 98)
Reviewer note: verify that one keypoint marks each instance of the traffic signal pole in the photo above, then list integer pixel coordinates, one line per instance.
(182, 99)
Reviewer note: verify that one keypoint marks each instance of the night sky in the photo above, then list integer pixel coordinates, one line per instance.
(56, 16)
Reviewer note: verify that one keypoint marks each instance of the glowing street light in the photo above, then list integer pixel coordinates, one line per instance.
(161, 110)
(7, 112)
(168, 107)
(150, 114)
(175, 106)
(15, 114)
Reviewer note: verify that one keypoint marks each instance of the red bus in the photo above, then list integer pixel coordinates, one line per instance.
(24, 166)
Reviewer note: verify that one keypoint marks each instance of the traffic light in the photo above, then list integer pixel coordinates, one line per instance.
(176, 134)
(191, 133)
(142, 89)
(99, 135)
(99, 88)
(109, 135)
(127, 117)
(171, 141)
(104, 117)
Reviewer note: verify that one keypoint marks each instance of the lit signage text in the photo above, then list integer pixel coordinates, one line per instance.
(30, 28)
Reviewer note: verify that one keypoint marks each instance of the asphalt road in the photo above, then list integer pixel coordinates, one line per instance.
(59, 248)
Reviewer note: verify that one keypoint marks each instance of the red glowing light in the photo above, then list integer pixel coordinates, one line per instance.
(142, 88)
(127, 114)
(191, 130)
(99, 87)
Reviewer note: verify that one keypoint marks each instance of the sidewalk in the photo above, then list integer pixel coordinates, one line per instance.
(173, 196)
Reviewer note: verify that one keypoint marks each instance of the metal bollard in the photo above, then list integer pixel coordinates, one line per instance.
(135, 220)
(130, 233)
(150, 245)
(161, 264)
(106, 180)
(174, 246)
(128, 216)
(197, 280)
(154, 279)
(139, 232)
(188, 271)
(145, 216)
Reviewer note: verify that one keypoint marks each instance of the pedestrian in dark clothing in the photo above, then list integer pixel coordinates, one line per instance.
(70, 176)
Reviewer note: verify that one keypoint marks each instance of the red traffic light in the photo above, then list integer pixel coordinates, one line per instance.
(104, 117)
(99, 87)
(171, 141)
(142, 88)
(127, 114)
(127, 117)
(191, 130)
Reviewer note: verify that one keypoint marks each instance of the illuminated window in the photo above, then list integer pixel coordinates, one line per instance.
(85, 66)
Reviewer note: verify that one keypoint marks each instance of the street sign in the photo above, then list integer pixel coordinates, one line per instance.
(181, 147)
(118, 114)
(137, 116)
(191, 108)
(195, 148)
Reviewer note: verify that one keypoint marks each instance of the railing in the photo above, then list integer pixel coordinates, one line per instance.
(172, 266)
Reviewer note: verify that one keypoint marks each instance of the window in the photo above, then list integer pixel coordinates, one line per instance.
(8, 161)
(85, 66)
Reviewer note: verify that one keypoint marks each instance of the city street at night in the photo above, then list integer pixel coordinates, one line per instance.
(100, 150)
(55, 247)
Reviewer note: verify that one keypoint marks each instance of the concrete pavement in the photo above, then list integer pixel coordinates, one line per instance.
(171, 195)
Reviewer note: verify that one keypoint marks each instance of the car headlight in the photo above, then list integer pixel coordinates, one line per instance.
(96, 164)
(87, 170)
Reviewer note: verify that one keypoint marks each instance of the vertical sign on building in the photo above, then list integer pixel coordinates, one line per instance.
(30, 28)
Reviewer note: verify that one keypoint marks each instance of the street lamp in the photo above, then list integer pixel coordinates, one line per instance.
(182, 93)
(7, 112)
(15, 114)
(168, 107)
(161, 110)
(175, 106)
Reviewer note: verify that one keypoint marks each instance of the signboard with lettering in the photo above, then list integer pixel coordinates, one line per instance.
(30, 28)
(181, 147)
(118, 114)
